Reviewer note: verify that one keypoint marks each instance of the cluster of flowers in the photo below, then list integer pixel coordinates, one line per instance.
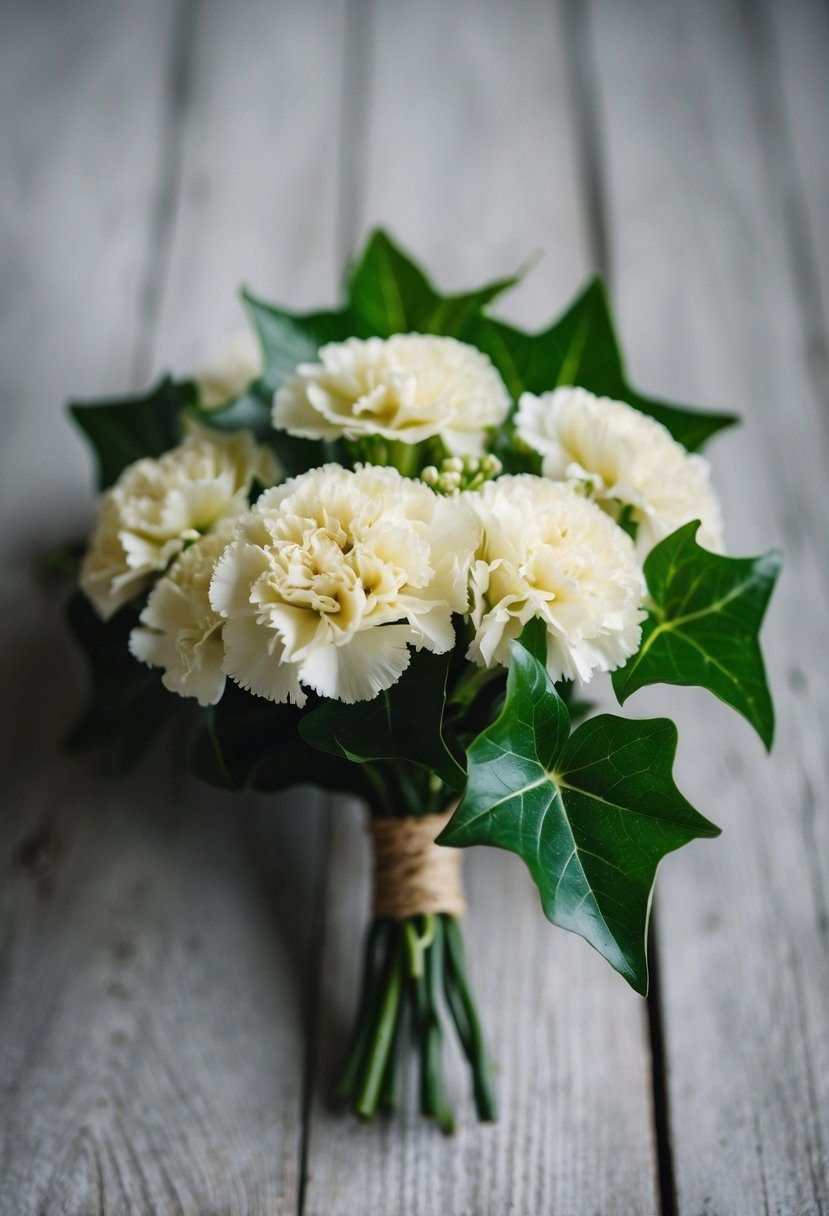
(329, 579)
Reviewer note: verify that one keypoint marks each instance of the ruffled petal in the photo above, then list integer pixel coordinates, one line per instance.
(371, 662)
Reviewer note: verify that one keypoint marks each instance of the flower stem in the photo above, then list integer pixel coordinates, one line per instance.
(368, 1093)
(465, 1015)
(410, 964)
(388, 1090)
(374, 964)
(418, 943)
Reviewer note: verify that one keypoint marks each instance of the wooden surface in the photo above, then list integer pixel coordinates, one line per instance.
(177, 967)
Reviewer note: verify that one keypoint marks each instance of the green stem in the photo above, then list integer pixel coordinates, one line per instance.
(470, 683)
(418, 943)
(423, 993)
(368, 1093)
(388, 1090)
(374, 964)
(469, 1026)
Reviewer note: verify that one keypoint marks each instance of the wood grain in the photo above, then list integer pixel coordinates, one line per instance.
(708, 296)
(575, 1132)
(156, 935)
(169, 1024)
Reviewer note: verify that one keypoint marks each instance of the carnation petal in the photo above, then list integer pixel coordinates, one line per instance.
(623, 459)
(548, 552)
(158, 506)
(408, 388)
(366, 665)
(253, 658)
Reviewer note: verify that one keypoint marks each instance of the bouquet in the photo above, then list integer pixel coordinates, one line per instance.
(381, 550)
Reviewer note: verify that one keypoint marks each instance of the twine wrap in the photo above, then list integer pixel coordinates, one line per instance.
(413, 876)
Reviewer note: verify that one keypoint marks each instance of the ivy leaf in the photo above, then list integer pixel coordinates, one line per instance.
(250, 743)
(288, 339)
(582, 348)
(406, 722)
(128, 705)
(251, 410)
(390, 294)
(703, 624)
(123, 430)
(591, 813)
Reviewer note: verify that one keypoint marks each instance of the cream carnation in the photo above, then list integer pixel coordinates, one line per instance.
(548, 552)
(322, 562)
(624, 459)
(409, 387)
(179, 629)
(158, 505)
(233, 370)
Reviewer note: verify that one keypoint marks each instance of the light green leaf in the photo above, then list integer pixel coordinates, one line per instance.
(123, 430)
(581, 348)
(590, 813)
(703, 624)
(390, 294)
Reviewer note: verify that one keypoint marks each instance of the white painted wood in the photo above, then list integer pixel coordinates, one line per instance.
(471, 158)
(259, 189)
(708, 301)
(78, 144)
(797, 36)
(155, 935)
(573, 1133)
(470, 162)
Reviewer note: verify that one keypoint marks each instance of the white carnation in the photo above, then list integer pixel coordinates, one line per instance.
(179, 629)
(623, 459)
(158, 505)
(410, 387)
(548, 552)
(231, 372)
(332, 576)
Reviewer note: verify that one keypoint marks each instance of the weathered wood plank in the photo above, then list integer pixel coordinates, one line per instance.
(708, 299)
(470, 162)
(155, 939)
(791, 47)
(259, 189)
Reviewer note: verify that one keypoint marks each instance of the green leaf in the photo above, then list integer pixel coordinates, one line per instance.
(581, 348)
(406, 722)
(289, 339)
(128, 705)
(590, 813)
(703, 624)
(124, 430)
(250, 743)
(251, 410)
(390, 294)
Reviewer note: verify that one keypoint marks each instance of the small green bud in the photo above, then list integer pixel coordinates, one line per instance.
(430, 475)
(490, 465)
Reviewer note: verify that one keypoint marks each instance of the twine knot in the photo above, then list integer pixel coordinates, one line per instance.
(413, 876)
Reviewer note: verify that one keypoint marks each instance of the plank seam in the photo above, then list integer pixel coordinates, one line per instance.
(585, 102)
(582, 83)
(314, 998)
(778, 153)
(353, 130)
(165, 203)
(659, 1065)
